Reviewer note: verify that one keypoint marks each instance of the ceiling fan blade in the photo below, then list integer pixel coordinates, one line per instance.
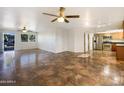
(29, 31)
(72, 16)
(19, 30)
(50, 14)
(66, 20)
(54, 20)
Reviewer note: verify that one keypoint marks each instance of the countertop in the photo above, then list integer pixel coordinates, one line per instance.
(114, 42)
(120, 45)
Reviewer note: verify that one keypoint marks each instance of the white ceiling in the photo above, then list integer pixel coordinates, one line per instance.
(33, 19)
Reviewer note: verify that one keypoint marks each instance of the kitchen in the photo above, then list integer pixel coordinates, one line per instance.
(112, 40)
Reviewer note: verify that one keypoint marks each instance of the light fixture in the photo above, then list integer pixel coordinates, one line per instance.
(60, 19)
(24, 29)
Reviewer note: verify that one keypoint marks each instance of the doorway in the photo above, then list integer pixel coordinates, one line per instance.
(9, 42)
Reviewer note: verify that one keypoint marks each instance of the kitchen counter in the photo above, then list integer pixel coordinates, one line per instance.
(120, 45)
(114, 42)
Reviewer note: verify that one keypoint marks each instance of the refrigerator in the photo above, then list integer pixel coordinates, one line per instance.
(98, 42)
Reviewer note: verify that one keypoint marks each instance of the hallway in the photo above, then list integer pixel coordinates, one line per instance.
(39, 67)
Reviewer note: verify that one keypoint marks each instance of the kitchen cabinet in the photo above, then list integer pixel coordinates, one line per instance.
(117, 35)
(120, 52)
(113, 47)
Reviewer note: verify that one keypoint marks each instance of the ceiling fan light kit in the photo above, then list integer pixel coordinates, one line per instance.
(24, 30)
(61, 17)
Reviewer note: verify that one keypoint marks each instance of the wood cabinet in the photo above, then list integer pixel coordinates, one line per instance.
(117, 35)
(120, 52)
(113, 47)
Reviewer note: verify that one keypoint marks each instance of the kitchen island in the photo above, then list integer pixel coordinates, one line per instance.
(120, 51)
(116, 46)
(112, 44)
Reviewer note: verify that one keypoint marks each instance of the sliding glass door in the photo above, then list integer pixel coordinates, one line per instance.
(1, 42)
(9, 42)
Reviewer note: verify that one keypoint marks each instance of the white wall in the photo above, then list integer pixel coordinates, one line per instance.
(55, 40)
(78, 41)
(62, 40)
(21, 45)
(59, 40)
(91, 40)
(86, 40)
(77, 37)
(46, 39)
(71, 40)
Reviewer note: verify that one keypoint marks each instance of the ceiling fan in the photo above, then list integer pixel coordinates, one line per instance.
(24, 30)
(61, 17)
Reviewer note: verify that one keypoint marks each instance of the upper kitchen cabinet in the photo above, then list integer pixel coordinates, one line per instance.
(117, 35)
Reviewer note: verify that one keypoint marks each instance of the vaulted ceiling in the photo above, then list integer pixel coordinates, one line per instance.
(33, 19)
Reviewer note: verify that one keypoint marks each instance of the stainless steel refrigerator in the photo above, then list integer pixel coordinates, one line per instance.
(98, 42)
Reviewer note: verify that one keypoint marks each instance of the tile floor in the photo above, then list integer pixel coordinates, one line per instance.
(38, 67)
